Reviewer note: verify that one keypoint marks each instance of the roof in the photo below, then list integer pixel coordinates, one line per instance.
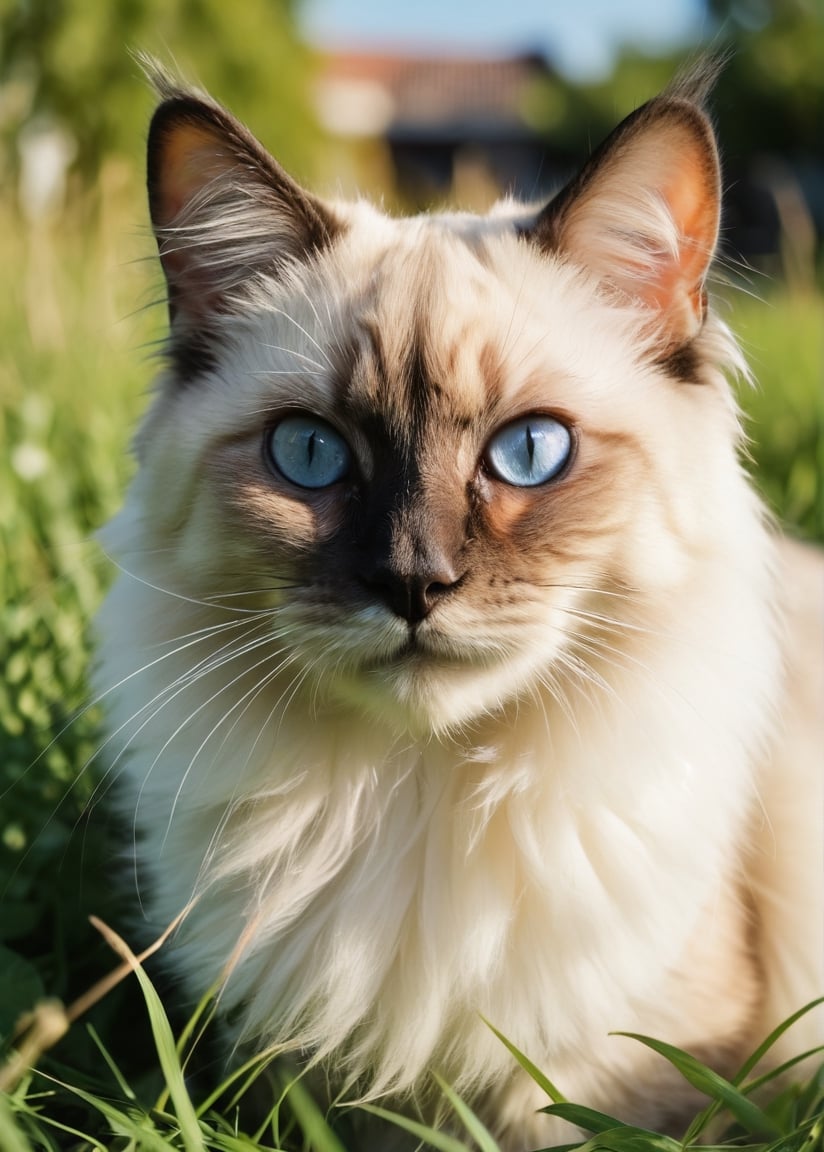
(366, 94)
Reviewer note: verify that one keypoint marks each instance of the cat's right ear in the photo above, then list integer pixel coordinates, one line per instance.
(223, 211)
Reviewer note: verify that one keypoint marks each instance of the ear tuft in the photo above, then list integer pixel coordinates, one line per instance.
(643, 214)
(223, 211)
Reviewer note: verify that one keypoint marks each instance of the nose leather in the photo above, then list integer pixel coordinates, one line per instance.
(412, 597)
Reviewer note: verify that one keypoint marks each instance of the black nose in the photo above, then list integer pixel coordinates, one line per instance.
(412, 597)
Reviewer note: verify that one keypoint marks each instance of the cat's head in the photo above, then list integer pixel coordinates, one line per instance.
(455, 456)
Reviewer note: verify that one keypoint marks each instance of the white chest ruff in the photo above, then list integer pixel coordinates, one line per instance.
(370, 898)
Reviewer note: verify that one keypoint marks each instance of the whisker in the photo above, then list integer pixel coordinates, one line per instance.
(197, 636)
(100, 787)
(218, 597)
(158, 702)
(204, 704)
(292, 351)
(265, 373)
(167, 591)
(263, 683)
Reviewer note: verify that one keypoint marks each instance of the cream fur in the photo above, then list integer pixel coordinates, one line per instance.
(545, 819)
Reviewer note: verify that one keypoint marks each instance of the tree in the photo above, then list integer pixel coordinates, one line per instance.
(69, 66)
(772, 90)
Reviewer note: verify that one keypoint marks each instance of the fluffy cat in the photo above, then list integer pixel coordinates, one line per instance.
(447, 670)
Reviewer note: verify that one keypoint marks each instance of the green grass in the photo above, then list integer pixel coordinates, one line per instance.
(72, 380)
(74, 372)
(783, 338)
(736, 1114)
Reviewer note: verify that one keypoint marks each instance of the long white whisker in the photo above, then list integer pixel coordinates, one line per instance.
(168, 591)
(315, 343)
(265, 373)
(204, 704)
(160, 701)
(229, 808)
(191, 638)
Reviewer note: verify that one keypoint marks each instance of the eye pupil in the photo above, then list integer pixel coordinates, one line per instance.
(530, 444)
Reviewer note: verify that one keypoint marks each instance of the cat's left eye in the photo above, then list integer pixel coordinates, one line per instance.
(309, 452)
(529, 451)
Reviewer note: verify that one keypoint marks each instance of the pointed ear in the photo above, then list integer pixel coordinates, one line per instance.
(644, 212)
(222, 209)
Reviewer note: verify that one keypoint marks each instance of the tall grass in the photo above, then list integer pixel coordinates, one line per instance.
(72, 379)
(783, 338)
(75, 366)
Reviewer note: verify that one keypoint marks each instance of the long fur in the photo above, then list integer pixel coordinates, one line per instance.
(544, 816)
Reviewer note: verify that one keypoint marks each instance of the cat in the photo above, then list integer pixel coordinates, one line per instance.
(455, 673)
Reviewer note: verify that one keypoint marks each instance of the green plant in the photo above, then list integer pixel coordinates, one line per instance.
(784, 1120)
(783, 339)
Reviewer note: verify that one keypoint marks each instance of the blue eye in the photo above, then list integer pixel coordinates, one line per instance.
(529, 451)
(309, 452)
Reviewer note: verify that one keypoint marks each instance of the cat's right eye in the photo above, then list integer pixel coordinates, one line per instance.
(308, 451)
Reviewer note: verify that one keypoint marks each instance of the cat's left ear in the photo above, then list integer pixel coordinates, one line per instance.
(643, 214)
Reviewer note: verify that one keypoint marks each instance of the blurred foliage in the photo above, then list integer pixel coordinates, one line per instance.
(67, 65)
(768, 107)
(72, 380)
(769, 97)
(783, 339)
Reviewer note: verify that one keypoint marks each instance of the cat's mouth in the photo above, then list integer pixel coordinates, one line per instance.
(420, 651)
(426, 679)
(410, 650)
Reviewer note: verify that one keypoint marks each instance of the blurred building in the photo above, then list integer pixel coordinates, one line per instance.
(458, 127)
(430, 129)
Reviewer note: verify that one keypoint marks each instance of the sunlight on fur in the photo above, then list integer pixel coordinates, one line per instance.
(447, 664)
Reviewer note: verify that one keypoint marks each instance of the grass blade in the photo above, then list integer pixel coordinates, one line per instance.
(11, 1138)
(478, 1131)
(44, 1141)
(246, 1073)
(776, 1033)
(556, 1096)
(317, 1133)
(812, 1141)
(586, 1118)
(749, 1115)
(625, 1138)
(432, 1138)
(109, 1060)
(138, 1127)
(203, 1015)
(780, 1069)
(629, 1139)
(703, 1119)
(164, 1041)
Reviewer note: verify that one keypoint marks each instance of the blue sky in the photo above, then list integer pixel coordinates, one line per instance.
(579, 36)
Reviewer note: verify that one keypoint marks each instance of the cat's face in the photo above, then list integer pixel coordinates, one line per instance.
(445, 458)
